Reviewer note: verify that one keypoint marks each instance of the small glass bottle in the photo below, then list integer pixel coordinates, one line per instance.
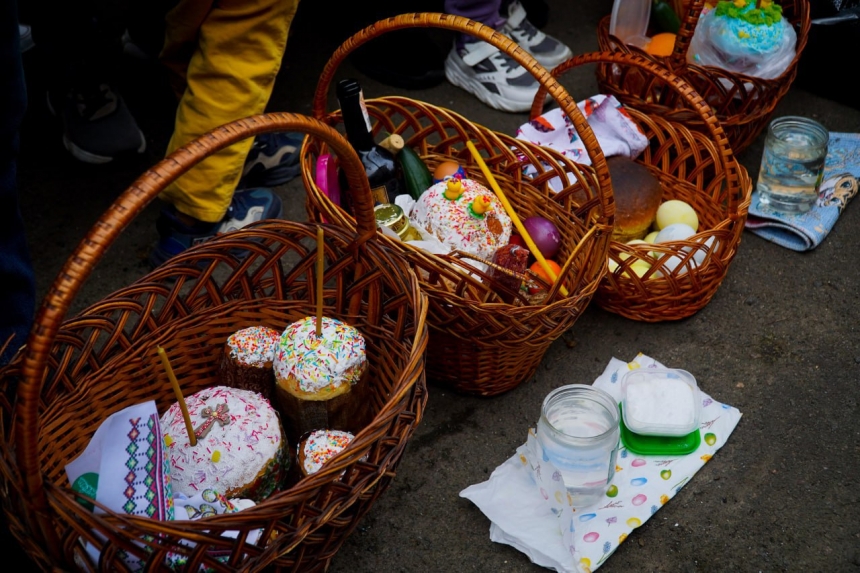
(792, 164)
(391, 215)
(579, 431)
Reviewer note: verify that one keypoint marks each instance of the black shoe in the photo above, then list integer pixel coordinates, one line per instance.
(406, 59)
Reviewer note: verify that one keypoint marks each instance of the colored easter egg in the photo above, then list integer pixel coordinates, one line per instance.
(634, 522)
(639, 499)
(638, 462)
(559, 497)
(591, 537)
(587, 517)
(585, 562)
(664, 499)
(612, 491)
(675, 211)
(448, 169)
(710, 439)
(544, 234)
(666, 474)
(544, 493)
(621, 538)
(638, 481)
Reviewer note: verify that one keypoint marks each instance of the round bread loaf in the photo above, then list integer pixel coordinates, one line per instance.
(637, 194)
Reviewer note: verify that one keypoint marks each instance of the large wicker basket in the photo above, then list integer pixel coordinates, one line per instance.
(695, 167)
(74, 373)
(480, 344)
(743, 104)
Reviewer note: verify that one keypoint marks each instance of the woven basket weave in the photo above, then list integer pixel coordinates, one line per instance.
(74, 373)
(698, 168)
(480, 344)
(743, 104)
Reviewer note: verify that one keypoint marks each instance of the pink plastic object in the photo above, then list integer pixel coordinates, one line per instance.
(326, 177)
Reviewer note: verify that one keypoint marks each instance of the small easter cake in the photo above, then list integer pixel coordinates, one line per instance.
(318, 378)
(248, 357)
(319, 447)
(240, 452)
(464, 215)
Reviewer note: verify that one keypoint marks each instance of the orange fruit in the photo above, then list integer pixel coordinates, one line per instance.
(537, 269)
(661, 44)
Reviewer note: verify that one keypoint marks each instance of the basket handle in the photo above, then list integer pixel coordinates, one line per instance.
(678, 59)
(488, 34)
(126, 207)
(686, 91)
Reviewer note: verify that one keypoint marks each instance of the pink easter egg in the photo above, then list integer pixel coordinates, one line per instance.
(591, 537)
(639, 499)
(638, 463)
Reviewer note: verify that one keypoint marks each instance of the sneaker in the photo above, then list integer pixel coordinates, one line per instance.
(548, 51)
(97, 125)
(494, 77)
(175, 236)
(272, 161)
(26, 34)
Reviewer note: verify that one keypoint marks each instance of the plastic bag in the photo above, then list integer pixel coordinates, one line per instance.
(716, 43)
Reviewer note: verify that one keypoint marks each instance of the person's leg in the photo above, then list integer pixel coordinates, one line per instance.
(228, 55)
(17, 290)
(81, 44)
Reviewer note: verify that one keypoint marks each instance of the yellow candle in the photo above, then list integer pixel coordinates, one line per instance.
(512, 214)
(177, 391)
(320, 268)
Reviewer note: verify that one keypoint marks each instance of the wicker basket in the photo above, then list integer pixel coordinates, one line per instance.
(691, 166)
(480, 344)
(74, 373)
(743, 104)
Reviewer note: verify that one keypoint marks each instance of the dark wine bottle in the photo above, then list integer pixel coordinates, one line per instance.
(383, 171)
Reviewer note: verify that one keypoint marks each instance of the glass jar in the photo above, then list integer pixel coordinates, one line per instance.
(391, 215)
(792, 164)
(579, 431)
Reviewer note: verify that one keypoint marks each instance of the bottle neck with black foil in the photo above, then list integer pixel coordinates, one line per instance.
(382, 170)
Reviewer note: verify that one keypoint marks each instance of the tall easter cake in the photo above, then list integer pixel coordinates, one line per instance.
(315, 376)
(241, 451)
(319, 447)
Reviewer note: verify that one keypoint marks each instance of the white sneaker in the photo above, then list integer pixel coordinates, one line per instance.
(494, 77)
(26, 34)
(548, 51)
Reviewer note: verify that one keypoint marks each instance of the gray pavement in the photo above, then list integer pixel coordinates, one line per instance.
(778, 342)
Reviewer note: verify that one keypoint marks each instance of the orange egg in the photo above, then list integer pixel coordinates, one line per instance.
(445, 169)
(537, 269)
(661, 44)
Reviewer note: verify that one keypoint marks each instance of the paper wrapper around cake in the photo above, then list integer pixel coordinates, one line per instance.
(638, 195)
(344, 409)
(248, 358)
(320, 385)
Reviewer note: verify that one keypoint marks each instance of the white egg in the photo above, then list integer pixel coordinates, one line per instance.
(674, 232)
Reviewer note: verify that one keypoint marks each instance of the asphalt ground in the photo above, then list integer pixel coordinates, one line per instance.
(778, 341)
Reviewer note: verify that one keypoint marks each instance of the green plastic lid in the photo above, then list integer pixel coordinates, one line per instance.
(659, 445)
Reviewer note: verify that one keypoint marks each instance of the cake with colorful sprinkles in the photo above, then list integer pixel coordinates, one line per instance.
(464, 215)
(240, 448)
(314, 367)
(319, 447)
(248, 359)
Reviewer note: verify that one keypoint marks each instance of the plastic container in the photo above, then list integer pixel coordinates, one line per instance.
(660, 445)
(629, 21)
(579, 431)
(660, 402)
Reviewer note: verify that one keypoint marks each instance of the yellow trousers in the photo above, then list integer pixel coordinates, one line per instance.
(223, 57)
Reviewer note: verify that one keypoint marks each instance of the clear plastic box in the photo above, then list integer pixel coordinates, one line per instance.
(660, 402)
(629, 21)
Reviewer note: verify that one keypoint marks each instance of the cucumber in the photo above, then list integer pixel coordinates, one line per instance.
(416, 175)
